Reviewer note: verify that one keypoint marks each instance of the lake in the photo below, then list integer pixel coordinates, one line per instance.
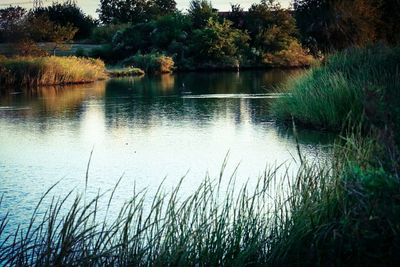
(146, 129)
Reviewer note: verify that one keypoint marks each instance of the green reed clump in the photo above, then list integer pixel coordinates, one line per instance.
(349, 84)
(347, 217)
(208, 228)
(35, 71)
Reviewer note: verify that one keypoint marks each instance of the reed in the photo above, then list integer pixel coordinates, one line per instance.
(345, 211)
(349, 85)
(35, 71)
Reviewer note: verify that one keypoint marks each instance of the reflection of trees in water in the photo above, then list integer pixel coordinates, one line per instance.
(40, 105)
(153, 100)
(306, 136)
(142, 101)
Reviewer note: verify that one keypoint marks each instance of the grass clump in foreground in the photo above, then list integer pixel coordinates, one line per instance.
(125, 72)
(51, 70)
(350, 84)
(343, 212)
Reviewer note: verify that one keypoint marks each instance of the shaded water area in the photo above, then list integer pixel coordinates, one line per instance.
(146, 129)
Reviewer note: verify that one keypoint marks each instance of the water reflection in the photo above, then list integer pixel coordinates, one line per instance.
(147, 128)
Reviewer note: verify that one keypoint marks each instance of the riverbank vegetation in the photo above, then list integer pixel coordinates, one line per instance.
(50, 70)
(356, 85)
(201, 38)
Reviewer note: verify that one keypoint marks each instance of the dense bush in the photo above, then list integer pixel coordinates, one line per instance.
(68, 14)
(150, 63)
(217, 41)
(265, 36)
(292, 56)
(104, 34)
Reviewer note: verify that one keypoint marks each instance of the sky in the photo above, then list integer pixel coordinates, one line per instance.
(90, 6)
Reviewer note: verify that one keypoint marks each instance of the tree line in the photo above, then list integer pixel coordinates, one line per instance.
(265, 34)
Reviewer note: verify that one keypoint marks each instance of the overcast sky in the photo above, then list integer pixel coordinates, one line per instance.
(90, 6)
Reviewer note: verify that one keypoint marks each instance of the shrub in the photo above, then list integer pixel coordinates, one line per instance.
(125, 72)
(151, 63)
(106, 53)
(104, 34)
(293, 56)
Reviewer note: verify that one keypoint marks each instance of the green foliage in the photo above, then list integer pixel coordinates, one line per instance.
(266, 36)
(200, 12)
(218, 41)
(134, 11)
(337, 24)
(134, 38)
(169, 29)
(119, 11)
(390, 21)
(104, 34)
(292, 56)
(271, 28)
(151, 63)
(35, 71)
(348, 217)
(160, 8)
(68, 14)
(105, 52)
(9, 19)
(351, 86)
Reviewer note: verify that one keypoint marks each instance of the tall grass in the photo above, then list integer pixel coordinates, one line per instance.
(344, 212)
(350, 84)
(34, 71)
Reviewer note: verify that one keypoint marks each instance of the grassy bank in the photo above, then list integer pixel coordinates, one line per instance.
(354, 85)
(34, 71)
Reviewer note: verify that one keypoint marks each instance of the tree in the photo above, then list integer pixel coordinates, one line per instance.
(271, 28)
(134, 11)
(200, 11)
(68, 14)
(61, 35)
(337, 24)
(9, 19)
(174, 27)
(236, 15)
(123, 11)
(390, 21)
(218, 41)
(159, 8)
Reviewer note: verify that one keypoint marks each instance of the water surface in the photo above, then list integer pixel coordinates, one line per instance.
(144, 128)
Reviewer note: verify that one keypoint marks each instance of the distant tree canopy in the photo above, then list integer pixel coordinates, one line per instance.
(337, 24)
(218, 41)
(68, 14)
(134, 11)
(271, 28)
(390, 21)
(9, 19)
(200, 11)
(207, 38)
